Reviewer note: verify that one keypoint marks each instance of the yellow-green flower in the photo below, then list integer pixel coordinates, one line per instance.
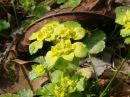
(59, 91)
(66, 50)
(127, 25)
(62, 49)
(46, 32)
(49, 29)
(66, 82)
(41, 35)
(62, 32)
(39, 69)
(78, 33)
(126, 30)
(126, 17)
(80, 50)
(33, 36)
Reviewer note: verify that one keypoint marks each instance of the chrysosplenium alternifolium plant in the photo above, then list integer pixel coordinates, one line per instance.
(60, 34)
(123, 18)
(61, 63)
(61, 60)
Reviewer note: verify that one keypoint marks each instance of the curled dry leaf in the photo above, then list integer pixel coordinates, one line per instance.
(99, 65)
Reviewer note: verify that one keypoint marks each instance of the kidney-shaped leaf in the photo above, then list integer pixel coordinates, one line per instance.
(96, 42)
(25, 93)
(9, 95)
(71, 3)
(34, 46)
(56, 76)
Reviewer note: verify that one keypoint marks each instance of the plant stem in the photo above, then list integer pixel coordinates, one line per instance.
(15, 14)
(122, 63)
(95, 74)
(48, 75)
(93, 67)
(26, 76)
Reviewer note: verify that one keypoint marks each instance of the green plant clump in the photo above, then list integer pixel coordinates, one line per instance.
(61, 63)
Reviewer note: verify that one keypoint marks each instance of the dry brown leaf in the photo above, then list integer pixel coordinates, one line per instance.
(21, 62)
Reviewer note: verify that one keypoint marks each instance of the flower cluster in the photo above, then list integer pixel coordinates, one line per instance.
(55, 32)
(63, 86)
(37, 71)
(123, 18)
(64, 53)
(66, 50)
(61, 34)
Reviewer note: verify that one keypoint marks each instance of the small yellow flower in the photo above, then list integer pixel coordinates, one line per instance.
(126, 17)
(62, 31)
(62, 49)
(39, 70)
(127, 25)
(65, 82)
(59, 91)
(41, 35)
(79, 33)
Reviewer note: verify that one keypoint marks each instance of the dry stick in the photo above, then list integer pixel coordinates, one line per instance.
(122, 63)
(26, 76)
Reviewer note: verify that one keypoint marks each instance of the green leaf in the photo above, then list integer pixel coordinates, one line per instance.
(127, 40)
(120, 13)
(9, 95)
(76, 31)
(95, 43)
(66, 66)
(79, 33)
(81, 50)
(40, 10)
(56, 76)
(68, 57)
(34, 46)
(4, 25)
(25, 93)
(80, 84)
(98, 47)
(71, 3)
(40, 60)
(37, 71)
(50, 59)
(71, 24)
(26, 4)
(60, 1)
(32, 75)
(33, 36)
(46, 90)
(125, 32)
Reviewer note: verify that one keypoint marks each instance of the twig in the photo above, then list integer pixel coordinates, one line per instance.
(26, 76)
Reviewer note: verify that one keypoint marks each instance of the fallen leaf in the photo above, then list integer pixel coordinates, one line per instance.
(99, 65)
(21, 62)
(38, 82)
